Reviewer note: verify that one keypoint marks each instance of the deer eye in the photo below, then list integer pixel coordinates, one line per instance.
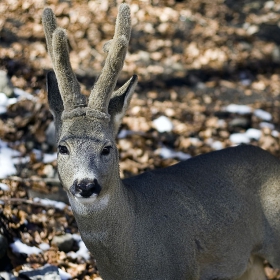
(106, 151)
(63, 150)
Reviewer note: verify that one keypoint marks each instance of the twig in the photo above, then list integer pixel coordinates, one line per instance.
(52, 181)
(26, 201)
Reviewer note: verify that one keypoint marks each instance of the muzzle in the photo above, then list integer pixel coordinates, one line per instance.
(85, 188)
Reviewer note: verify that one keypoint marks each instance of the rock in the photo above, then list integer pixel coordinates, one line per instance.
(63, 242)
(5, 84)
(240, 122)
(49, 272)
(3, 246)
(6, 276)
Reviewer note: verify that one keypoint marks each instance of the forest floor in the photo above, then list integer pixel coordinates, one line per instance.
(209, 78)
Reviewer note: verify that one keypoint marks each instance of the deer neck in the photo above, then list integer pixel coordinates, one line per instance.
(108, 216)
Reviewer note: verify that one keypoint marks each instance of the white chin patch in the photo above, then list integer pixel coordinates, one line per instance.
(86, 200)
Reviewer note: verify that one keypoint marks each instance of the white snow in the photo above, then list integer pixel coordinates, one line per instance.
(64, 275)
(82, 252)
(251, 133)
(3, 110)
(12, 101)
(4, 187)
(238, 138)
(5, 101)
(275, 133)
(48, 202)
(44, 246)
(19, 247)
(163, 124)
(238, 109)
(267, 124)
(21, 94)
(215, 145)
(49, 157)
(166, 153)
(10, 157)
(7, 160)
(263, 115)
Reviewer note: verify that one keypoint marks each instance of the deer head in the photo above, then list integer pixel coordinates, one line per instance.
(86, 129)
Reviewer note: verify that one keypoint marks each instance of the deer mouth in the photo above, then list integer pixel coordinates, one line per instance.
(85, 188)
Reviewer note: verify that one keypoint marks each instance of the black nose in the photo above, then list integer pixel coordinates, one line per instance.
(85, 188)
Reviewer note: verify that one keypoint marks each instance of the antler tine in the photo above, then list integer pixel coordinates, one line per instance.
(67, 80)
(116, 48)
(49, 24)
(68, 84)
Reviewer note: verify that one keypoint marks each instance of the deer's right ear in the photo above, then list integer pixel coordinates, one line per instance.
(119, 102)
(54, 97)
(55, 100)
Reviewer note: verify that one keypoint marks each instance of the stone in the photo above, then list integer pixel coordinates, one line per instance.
(6, 276)
(63, 242)
(240, 122)
(6, 86)
(48, 272)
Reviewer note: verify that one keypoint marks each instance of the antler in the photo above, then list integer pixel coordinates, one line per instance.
(116, 49)
(68, 84)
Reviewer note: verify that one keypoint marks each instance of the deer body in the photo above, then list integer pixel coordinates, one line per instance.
(218, 223)
(215, 216)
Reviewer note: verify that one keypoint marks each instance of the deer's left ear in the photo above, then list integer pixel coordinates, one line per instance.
(119, 102)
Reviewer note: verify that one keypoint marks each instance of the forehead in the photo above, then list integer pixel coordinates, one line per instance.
(85, 127)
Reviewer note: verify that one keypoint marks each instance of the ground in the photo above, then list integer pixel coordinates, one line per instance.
(197, 62)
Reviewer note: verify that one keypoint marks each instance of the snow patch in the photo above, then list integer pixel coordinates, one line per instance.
(7, 160)
(163, 124)
(21, 248)
(64, 275)
(238, 138)
(275, 133)
(251, 133)
(82, 252)
(44, 246)
(21, 94)
(215, 145)
(166, 153)
(263, 115)
(4, 187)
(49, 157)
(238, 109)
(5, 101)
(48, 202)
(267, 124)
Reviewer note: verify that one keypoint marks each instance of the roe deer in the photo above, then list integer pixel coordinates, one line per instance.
(214, 216)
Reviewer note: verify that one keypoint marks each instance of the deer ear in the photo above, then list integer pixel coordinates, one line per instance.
(119, 102)
(55, 100)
